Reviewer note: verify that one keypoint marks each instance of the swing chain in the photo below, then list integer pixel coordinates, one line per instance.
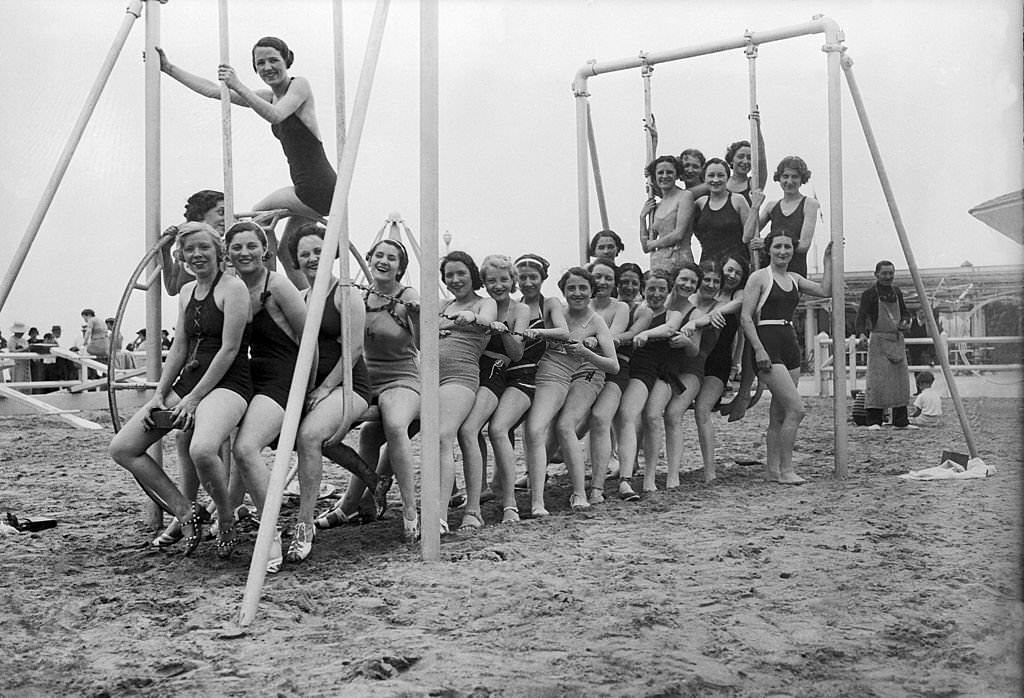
(490, 329)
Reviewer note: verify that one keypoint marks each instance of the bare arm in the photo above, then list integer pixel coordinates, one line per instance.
(824, 289)
(513, 344)
(554, 318)
(810, 221)
(202, 86)
(275, 112)
(754, 289)
(604, 359)
(757, 218)
(641, 321)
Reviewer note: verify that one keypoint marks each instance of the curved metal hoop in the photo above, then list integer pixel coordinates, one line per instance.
(154, 277)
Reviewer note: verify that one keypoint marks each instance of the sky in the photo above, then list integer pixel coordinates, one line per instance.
(941, 80)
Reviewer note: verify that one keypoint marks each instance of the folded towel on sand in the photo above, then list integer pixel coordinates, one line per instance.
(948, 470)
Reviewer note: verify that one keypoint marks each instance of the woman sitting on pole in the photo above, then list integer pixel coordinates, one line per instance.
(718, 365)
(794, 213)
(769, 301)
(720, 216)
(554, 374)
(290, 108)
(326, 421)
(546, 320)
(278, 315)
(665, 225)
(203, 391)
(390, 347)
(502, 349)
(464, 324)
(645, 365)
(681, 369)
(206, 206)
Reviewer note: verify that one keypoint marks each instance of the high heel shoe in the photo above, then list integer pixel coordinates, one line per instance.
(192, 527)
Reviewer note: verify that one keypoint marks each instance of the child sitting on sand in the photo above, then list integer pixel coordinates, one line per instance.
(927, 410)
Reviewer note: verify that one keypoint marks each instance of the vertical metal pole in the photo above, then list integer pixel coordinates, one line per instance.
(431, 509)
(901, 231)
(598, 183)
(154, 322)
(344, 270)
(755, 141)
(307, 345)
(833, 47)
(225, 118)
(134, 11)
(582, 192)
(650, 141)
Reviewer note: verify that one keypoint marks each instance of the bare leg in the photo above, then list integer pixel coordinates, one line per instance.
(473, 457)
(547, 402)
(674, 427)
(654, 414)
(217, 414)
(600, 424)
(398, 408)
(513, 405)
(710, 392)
(578, 401)
(458, 401)
(262, 422)
(627, 420)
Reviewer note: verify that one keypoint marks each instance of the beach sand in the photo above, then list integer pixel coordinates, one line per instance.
(870, 586)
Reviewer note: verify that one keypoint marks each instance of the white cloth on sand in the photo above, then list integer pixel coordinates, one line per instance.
(976, 468)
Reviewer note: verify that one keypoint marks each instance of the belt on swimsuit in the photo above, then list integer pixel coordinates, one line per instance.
(762, 323)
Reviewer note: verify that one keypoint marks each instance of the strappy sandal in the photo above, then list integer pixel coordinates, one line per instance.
(336, 517)
(192, 527)
(301, 544)
(578, 503)
(510, 515)
(170, 535)
(227, 539)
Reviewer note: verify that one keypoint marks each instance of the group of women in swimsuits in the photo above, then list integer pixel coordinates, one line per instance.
(620, 356)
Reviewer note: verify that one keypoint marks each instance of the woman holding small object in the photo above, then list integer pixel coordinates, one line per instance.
(290, 108)
(204, 391)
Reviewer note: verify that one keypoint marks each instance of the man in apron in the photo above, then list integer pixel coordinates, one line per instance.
(881, 321)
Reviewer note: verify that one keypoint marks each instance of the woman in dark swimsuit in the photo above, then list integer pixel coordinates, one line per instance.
(205, 384)
(720, 216)
(278, 315)
(290, 108)
(326, 421)
(769, 301)
(794, 213)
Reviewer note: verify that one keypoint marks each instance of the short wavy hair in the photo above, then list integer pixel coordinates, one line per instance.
(474, 272)
(793, 162)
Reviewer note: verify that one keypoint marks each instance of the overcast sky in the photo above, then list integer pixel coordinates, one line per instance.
(941, 79)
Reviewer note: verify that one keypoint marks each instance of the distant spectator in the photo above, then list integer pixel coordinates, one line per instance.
(22, 370)
(927, 405)
(165, 339)
(139, 343)
(3, 342)
(881, 321)
(33, 335)
(97, 338)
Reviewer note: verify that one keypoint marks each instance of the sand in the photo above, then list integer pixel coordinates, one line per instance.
(870, 586)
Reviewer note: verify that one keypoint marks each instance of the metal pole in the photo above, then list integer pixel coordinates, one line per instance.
(225, 118)
(307, 346)
(583, 193)
(133, 11)
(755, 145)
(154, 356)
(431, 509)
(650, 142)
(344, 271)
(598, 184)
(901, 232)
(833, 48)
